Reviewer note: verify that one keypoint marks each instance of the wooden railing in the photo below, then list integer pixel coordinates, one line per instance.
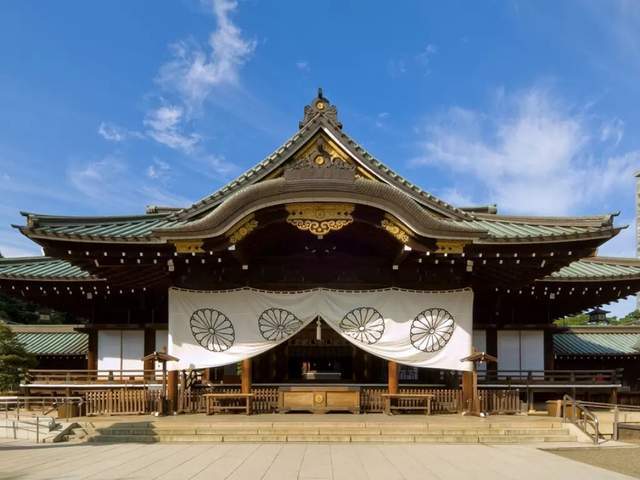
(500, 401)
(266, 398)
(446, 400)
(524, 378)
(121, 401)
(93, 377)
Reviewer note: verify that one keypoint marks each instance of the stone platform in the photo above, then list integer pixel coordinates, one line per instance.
(304, 428)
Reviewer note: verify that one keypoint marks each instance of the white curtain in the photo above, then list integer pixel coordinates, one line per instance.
(417, 328)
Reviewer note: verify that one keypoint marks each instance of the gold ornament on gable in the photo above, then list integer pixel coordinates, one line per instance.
(320, 218)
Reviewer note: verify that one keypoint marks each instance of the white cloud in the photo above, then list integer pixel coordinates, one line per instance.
(195, 69)
(164, 124)
(114, 133)
(456, 197)
(531, 154)
(109, 184)
(623, 244)
(158, 170)
(381, 118)
(612, 131)
(12, 244)
(303, 65)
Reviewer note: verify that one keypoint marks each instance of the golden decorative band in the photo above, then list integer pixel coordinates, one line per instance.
(188, 246)
(320, 218)
(450, 246)
(391, 226)
(242, 230)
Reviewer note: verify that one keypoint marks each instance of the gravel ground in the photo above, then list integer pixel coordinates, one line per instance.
(622, 460)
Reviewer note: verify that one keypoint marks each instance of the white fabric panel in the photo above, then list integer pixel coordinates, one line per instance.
(480, 344)
(132, 349)
(532, 349)
(422, 329)
(109, 350)
(509, 350)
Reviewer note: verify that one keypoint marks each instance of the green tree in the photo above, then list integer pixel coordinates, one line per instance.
(14, 360)
(632, 318)
(581, 319)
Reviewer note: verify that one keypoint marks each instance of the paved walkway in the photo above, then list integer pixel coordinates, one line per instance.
(288, 461)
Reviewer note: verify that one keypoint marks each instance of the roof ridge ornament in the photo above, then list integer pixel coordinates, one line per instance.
(320, 164)
(320, 106)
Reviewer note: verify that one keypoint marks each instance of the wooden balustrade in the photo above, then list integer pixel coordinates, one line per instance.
(93, 377)
(549, 377)
(138, 401)
(121, 401)
(500, 401)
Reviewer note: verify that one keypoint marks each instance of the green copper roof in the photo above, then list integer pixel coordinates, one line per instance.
(40, 268)
(599, 268)
(596, 343)
(504, 230)
(54, 343)
(320, 121)
(141, 228)
(134, 228)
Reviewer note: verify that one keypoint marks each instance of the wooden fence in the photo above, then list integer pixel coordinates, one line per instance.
(138, 401)
(120, 401)
(500, 401)
(93, 377)
(371, 401)
(445, 399)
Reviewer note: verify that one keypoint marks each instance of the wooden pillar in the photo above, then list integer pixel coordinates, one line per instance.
(92, 352)
(392, 368)
(245, 379)
(172, 390)
(492, 348)
(149, 348)
(470, 392)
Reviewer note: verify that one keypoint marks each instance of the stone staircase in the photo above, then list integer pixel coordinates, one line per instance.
(324, 432)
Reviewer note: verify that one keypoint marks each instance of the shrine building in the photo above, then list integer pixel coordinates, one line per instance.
(319, 265)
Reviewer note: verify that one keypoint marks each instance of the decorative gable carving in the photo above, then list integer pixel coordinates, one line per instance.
(320, 106)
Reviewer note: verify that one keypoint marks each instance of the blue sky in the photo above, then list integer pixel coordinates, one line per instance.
(106, 107)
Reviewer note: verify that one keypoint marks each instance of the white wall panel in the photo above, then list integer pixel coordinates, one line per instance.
(109, 349)
(162, 340)
(132, 349)
(532, 342)
(508, 350)
(479, 342)
(120, 349)
(520, 350)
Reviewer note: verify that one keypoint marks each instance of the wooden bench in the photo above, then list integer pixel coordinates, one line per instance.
(424, 400)
(219, 402)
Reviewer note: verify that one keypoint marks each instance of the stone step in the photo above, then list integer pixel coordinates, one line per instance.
(290, 425)
(301, 438)
(329, 431)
